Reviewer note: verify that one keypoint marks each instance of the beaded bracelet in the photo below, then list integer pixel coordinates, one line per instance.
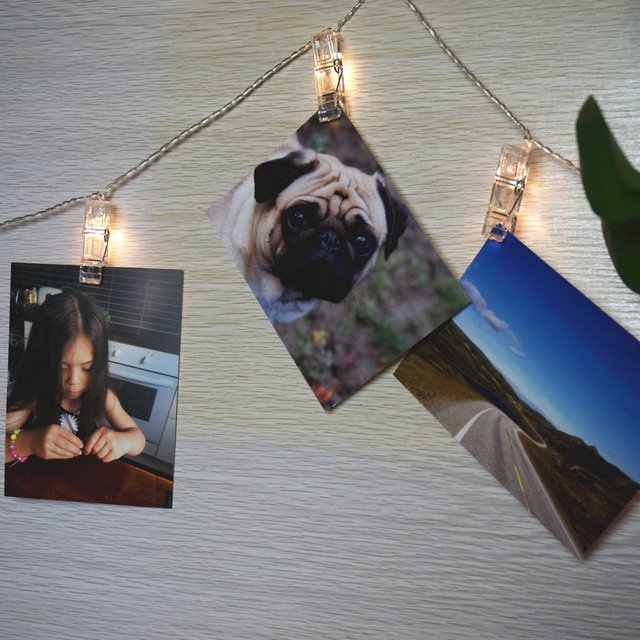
(12, 446)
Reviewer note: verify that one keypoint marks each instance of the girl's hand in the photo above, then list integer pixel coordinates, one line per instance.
(51, 442)
(106, 444)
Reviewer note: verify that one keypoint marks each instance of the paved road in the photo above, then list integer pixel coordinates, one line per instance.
(496, 441)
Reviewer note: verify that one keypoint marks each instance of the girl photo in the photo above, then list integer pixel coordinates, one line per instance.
(93, 376)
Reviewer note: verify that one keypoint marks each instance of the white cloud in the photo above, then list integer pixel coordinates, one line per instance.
(496, 323)
(516, 351)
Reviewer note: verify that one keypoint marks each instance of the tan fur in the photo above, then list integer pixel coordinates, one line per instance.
(251, 231)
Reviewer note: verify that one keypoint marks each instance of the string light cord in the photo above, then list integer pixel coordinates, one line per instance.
(218, 113)
(52, 209)
(183, 135)
(198, 126)
(483, 87)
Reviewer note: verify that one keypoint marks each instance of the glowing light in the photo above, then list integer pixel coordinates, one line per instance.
(508, 188)
(329, 74)
(95, 245)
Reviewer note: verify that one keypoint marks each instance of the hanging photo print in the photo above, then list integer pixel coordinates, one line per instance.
(93, 384)
(334, 257)
(541, 386)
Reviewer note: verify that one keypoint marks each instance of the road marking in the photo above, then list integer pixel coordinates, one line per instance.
(564, 529)
(463, 432)
(524, 495)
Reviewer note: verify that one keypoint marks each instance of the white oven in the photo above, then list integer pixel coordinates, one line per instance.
(146, 382)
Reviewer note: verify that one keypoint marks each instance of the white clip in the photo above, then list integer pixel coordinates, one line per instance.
(329, 74)
(95, 239)
(508, 189)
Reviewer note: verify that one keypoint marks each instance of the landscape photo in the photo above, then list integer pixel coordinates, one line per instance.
(541, 386)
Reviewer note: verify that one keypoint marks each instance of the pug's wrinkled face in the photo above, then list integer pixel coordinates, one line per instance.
(321, 224)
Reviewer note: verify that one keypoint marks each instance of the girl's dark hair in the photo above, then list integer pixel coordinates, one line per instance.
(60, 318)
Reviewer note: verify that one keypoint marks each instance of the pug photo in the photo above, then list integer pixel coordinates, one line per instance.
(304, 227)
(335, 258)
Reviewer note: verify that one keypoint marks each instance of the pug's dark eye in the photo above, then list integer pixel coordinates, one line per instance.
(297, 219)
(363, 245)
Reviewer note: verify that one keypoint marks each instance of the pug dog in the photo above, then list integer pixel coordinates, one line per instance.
(304, 227)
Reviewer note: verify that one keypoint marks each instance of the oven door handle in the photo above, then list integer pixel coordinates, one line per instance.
(149, 380)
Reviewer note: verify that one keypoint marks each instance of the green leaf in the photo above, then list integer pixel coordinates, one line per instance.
(611, 184)
(623, 242)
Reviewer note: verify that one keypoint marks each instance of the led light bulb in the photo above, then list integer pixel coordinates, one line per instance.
(508, 188)
(95, 239)
(329, 74)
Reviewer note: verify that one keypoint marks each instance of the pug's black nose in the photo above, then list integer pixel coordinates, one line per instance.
(330, 241)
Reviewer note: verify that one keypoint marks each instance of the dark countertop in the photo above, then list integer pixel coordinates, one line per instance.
(87, 479)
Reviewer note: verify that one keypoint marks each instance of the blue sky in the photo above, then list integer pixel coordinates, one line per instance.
(561, 353)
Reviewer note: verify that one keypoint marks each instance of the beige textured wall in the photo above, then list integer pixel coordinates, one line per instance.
(289, 523)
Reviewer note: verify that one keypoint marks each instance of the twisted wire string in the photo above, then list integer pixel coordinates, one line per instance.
(198, 126)
(42, 212)
(483, 87)
(183, 135)
(218, 113)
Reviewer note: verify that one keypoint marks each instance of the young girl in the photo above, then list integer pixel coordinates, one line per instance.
(62, 396)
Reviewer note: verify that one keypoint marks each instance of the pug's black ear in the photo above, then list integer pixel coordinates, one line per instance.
(273, 176)
(397, 219)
